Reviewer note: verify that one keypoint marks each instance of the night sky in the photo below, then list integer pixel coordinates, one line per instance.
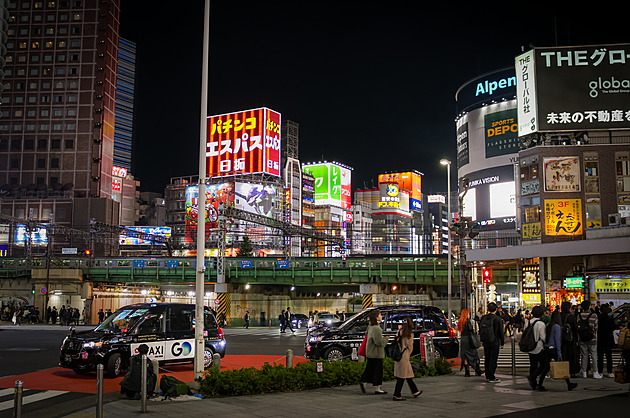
(372, 86)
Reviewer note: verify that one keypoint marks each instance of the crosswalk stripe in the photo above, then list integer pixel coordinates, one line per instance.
(39, 396)
(4, 392)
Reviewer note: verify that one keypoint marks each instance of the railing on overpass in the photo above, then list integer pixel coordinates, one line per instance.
(265, 270)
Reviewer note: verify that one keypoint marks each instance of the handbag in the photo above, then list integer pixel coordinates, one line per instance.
(560, 369)
(620, 372)
(475, 341)
(362, 346)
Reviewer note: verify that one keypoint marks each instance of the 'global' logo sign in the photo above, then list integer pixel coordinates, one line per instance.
(608, 86)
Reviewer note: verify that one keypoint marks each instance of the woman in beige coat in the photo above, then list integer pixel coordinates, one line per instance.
(402, 369)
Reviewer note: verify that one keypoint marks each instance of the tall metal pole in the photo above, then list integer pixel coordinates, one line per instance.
(201, 205)
(448, 222)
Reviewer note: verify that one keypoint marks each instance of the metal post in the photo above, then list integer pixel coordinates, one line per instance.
(448, 224)
(143, 385)
(201, 205)
(289, 359)
(513, 338)
(17, 399)
(99, 390)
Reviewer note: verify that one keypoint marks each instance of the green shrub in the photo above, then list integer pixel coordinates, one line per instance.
(304, 376)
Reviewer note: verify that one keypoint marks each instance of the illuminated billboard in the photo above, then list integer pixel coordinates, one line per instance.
(163, 231)
(255, 198)
(491, 198)
(244, 142)
(408, 181)
(38, 235)
(332, 184)
(573, 88)
(563, 217)
(215, 194)
(562, 174)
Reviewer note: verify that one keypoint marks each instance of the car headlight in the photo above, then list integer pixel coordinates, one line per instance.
(329, 321)
(63, 343)
(92, 344)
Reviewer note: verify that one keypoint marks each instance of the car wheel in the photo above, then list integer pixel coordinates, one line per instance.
(207, 357)
(438, 354)
(114, 365)
(334, 354)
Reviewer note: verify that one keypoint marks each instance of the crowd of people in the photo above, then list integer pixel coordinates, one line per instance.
(582, 335)
(25, 314)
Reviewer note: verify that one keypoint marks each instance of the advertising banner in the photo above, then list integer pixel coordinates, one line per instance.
(244, 142)
(38, 235)
(462, 145)
(579, 88)
(501, 132)
(562, 174)
(409, 182)
(563, 217)
(164, 231)
(215, 194)
(332, 184)
(256, 198)
(527, 102)
(491, 198)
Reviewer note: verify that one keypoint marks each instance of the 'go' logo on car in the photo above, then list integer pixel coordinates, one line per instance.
(181, 349)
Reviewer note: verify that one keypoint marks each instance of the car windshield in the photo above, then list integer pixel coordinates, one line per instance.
(122, 320)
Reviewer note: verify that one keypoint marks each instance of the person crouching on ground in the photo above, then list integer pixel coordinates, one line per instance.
(131, 385)
(375, 353)
(402, 368)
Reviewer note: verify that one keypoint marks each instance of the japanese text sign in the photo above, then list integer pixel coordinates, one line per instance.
(244, 142)
(332, 184)
(563, 217)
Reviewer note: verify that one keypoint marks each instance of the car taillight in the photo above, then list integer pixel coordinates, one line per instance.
(452, 333)
(220, 331)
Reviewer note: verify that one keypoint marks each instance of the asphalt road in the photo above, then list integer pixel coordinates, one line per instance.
(28, 349)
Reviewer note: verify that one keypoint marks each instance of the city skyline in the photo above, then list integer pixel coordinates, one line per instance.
(354, 78)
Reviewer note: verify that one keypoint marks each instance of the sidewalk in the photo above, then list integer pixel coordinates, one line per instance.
(443, 396)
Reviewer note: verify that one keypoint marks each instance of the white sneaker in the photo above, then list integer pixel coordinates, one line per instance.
(611, 375)
(597, 375)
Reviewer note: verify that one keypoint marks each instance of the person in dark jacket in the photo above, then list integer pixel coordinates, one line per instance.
(553, 346)
(468, 352)
(605, 340)
(491, 348)
(131, 385)
(570, 347)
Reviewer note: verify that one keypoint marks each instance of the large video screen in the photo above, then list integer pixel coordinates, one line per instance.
(491, 198)
(255, 198)
(215, 194)
(163, 231)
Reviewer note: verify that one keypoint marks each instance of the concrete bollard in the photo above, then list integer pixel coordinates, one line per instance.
(513, 342)
(156, 369)
(216, 361)
(289, 359)
(99, 390)
(17, 399)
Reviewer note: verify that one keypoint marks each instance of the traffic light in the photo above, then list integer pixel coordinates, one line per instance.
(473, 233)
(458, 229)
(88, 253)
(487, 275)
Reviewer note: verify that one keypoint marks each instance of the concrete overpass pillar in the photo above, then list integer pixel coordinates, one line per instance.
(224, 310)
(368, 290)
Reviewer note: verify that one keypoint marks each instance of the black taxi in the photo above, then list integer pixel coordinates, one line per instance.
(167, 328)
(335, 343)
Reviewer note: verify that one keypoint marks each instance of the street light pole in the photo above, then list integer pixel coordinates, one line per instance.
(201, 203)
(447, 163)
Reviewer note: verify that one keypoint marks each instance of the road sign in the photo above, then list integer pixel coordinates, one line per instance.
(43, 290)
(68, 251)
(217, 302)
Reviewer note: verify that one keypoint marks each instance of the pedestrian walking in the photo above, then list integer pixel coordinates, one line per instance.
(246, 318)
(553, 345)
(468, 349)
(402, 368)
(375, 353)
(538, 359)
(491, 336)
(281, 318)
(101, 316)
(605, 340)
(53, 315)
(587, 335)
(287, 319)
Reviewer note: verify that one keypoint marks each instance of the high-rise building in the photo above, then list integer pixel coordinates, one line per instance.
(125, 82)
(58, 109)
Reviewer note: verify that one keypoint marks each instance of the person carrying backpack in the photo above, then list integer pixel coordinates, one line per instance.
(131, 385)
(491, 335)
(587, 335)
(538, 360)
